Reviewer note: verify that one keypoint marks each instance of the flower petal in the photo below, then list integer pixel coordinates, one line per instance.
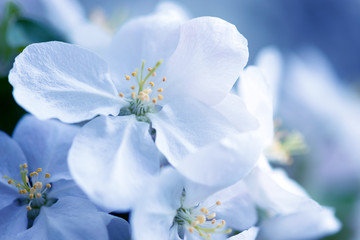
(11, 156)
(185, 125)
(313, 222)
(112, 158)
(208, 60)
(63, 188)
(59, 80)
(249, 234)
(192, 136)
(68, 218)
(150, 38)
(237, 207)
(153, 215)
(118, 228)
(46, 145)
(13, 220)
(258, 100)
(234, 109)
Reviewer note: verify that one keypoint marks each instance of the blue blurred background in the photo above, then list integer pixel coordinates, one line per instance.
(309, 50)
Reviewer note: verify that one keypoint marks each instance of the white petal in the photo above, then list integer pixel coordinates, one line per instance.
(153, 215)
(249, 234)
(118, 228)
(149, 38)
(68, 218)
(237, 208)
(311, 223)
(112, 158)
(208, 60)
(11, 156)
(185, 125)
(58, 80)
(46, 145)
(234, 109)
(258, 100)
(13, 220)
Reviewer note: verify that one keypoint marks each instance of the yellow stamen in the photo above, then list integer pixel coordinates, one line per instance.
(204, 210)
(153, 74)
(25, 165)
(201, 219)
(38, 195)
(149, 69)
(218, 203)
(191, 230)
(10, 181)
(164, 79)
(213, 221)
(132, 87)
(151, 84)
(127, 77)
(211, 216)
(160, 90)
(133, 95)
(28, 208)
(47, 175)
(133, 74)
(154, 100)
(39, 170)
(160, 97)
(31, 196)
(121, 94)
(48, 185)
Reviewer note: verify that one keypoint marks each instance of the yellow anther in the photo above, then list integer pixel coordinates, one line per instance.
(154, 100)
(38, 195)
(133, 95)
(24, 165)
(133, 74)
(208, 236)
(39, 170)
(147, 98)
(228, 231)
(38, 185)
(153, 74)
(32, 190)
(160, 97)
(10, 181)
(121, 95)
(219, 225)
(22, 191)
(147, 91)
(201, 219)
(160, 90)
(204, 210)
(213, 221)
(218, 203)
(149, 69)
(32, 174)
(132, 87)
(47, 175)
(164, 79)
(18, 185)
(195, 223)
(151, 84)
(28, 208)
(31, 196)
(48, 185)
(191, 230)
(211, 216)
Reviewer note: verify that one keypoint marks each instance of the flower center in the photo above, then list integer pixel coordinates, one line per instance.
(33, 187)
(142, 99)
(201, 220)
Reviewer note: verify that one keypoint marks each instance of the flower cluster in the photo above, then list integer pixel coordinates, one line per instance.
(155, 125)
